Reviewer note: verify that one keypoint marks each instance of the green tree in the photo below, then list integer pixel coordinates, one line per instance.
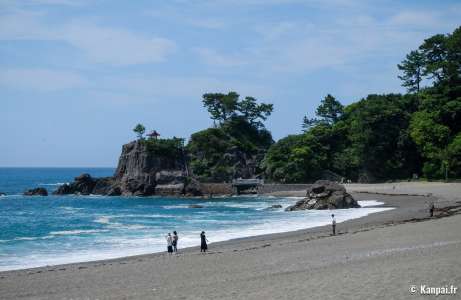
(412, 69)
(223, 107)
(139, 130)
(329, 111)
(435, 126)
(237, 145)
(252, 111)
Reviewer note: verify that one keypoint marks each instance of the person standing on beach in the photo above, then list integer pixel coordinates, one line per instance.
(169, 242)
(333, 224)
(431, 209)
(203, 244)
(175, 241)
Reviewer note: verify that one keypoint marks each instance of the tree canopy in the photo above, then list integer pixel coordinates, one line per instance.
(328, 112)
(389, 136)
(139, 129)
(222, 107)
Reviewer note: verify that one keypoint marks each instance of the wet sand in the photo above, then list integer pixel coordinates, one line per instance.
(376, 257)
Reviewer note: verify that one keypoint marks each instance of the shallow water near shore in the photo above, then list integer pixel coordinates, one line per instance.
(39, 231)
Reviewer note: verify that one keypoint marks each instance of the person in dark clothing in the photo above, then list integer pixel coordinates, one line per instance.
(333, 224)
(203, 244)
(175, 241)
(431, 209)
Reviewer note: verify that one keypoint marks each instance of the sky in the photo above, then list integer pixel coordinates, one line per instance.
(77, 76)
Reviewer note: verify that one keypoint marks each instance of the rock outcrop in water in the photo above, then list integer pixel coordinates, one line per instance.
(140, 172)
(36, 192)
(324, 194)
(86, 185)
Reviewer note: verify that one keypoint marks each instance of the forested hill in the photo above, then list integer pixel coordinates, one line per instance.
(384, 137)
(379, 138)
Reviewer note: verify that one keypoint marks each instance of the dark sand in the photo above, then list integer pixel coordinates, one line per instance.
(376, 257)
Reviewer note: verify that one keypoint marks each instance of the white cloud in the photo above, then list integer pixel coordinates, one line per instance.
(41, 80)
(117, 46)
(415, 18)
(213, 58)
(100, 44)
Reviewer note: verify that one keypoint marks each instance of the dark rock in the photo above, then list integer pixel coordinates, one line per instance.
(83, 185)
(275, 206)
(63, 190)
(139, 171)
(195, 206)
(169, 177)
(2, 194)
(170, 189)
(36, 192)
(114, 191)
(193, 188)
(105, 186)
(324, 194)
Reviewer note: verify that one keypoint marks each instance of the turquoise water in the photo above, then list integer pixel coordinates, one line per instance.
(38, 231)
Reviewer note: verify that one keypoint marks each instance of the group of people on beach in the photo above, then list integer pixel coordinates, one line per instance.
(172, 242)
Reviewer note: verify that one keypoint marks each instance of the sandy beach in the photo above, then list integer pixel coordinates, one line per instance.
(380, 256)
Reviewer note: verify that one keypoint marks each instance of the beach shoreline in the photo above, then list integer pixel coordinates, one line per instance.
(409, 211)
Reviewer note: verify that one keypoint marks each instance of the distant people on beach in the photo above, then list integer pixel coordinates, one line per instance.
(169, 242)
(203, 244)
(175, 241)
(333, 224)
(431, 209)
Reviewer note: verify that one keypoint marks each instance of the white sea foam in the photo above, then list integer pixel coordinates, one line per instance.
(77, 231)
(103, 220)
(370, 203)
(69, 208)
(175, 206)
(106, 220)
(53, 184)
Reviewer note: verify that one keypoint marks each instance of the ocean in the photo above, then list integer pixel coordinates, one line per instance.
(38, 231)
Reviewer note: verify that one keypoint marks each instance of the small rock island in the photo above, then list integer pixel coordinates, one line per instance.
(325, 194)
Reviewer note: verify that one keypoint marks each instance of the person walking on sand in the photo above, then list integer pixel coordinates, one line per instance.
(203, 244)
(333, 224)
(169, 242)
(431, 209)
(175, 241)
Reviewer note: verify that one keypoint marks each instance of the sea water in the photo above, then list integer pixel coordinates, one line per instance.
(38, 231)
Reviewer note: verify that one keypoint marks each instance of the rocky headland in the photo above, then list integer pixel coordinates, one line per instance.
(141, 171)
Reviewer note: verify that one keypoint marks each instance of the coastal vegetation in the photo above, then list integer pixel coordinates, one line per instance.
(380, 137)
(389, 136)
(236, 144)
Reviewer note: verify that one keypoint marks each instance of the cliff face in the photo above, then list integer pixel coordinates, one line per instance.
(140, 172)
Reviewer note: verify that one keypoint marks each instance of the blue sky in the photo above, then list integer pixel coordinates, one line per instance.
(76, 76)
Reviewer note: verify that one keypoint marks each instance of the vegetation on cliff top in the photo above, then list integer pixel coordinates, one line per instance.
(236, 144)
(380, 137)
